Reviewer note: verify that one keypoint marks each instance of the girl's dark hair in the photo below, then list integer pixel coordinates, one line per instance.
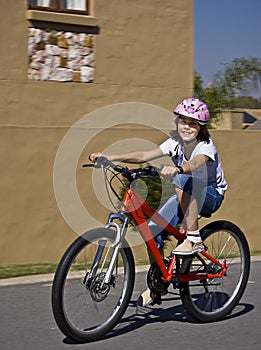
(203, 134)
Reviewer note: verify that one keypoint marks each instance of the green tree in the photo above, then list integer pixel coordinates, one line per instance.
(211, 95)
(238, 78)
(228, 86)
(154, 192)
(246, 102)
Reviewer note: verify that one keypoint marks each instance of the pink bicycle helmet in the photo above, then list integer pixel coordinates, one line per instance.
(193, 108)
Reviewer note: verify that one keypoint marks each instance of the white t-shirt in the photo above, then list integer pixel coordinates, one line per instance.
(212, 173)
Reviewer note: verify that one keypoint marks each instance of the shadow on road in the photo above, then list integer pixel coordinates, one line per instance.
(141, 316)
(170, 314)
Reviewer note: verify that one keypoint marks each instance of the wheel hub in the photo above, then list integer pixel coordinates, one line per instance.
(98, 289)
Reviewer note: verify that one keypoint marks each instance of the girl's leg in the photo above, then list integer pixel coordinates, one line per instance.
(188, 192)
(189, 206)
(212, 201)
(207, 201)
(171, 212)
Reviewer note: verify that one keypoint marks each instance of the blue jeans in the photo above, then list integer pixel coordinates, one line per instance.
(208, 198)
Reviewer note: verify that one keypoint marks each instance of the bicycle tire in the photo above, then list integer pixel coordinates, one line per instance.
(87, 313)
(212, 300)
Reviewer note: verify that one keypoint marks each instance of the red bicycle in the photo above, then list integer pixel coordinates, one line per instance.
(94, 280)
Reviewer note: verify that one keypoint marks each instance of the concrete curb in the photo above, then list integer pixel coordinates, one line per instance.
(47, 278)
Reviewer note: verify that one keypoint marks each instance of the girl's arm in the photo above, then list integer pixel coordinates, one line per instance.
(188, 167)
(195, 163)
(136, 157)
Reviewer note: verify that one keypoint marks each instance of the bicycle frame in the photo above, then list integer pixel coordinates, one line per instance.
(139, 209)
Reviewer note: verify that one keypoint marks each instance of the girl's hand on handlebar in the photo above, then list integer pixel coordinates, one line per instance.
(168, 171)
(94, 156)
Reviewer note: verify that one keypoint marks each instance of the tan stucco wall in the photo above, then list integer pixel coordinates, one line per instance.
(230, 120)
(143, 52)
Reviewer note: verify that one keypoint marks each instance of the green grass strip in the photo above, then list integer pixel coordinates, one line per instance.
(8, 271)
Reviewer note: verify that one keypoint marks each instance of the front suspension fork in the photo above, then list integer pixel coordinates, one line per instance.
(115, 245)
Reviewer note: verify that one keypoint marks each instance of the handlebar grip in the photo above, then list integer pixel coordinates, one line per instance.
(102, 162)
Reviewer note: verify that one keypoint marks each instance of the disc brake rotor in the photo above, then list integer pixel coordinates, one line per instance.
(98, 289)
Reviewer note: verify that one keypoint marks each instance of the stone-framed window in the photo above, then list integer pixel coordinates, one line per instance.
(61, 40)
(60, 56)
(64, 6)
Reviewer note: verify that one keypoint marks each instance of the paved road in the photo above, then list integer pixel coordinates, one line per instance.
(26, 322)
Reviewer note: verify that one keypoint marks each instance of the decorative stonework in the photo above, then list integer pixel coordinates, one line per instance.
(60, 56)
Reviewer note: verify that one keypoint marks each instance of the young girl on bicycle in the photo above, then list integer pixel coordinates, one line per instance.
(196, 173)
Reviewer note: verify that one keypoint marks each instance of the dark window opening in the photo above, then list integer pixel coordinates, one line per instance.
(65, 6)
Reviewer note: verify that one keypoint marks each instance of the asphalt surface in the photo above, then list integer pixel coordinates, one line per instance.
(27, 323)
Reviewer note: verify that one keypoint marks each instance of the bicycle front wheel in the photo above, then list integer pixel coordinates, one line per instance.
(211, 300)
(86, 307)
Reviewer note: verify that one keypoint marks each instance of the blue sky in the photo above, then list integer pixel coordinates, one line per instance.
(224, 30)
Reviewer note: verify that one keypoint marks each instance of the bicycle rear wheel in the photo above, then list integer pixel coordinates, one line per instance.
(84, 307)
(211, 300)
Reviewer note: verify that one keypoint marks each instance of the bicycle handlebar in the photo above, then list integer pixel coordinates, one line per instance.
(149, 171)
